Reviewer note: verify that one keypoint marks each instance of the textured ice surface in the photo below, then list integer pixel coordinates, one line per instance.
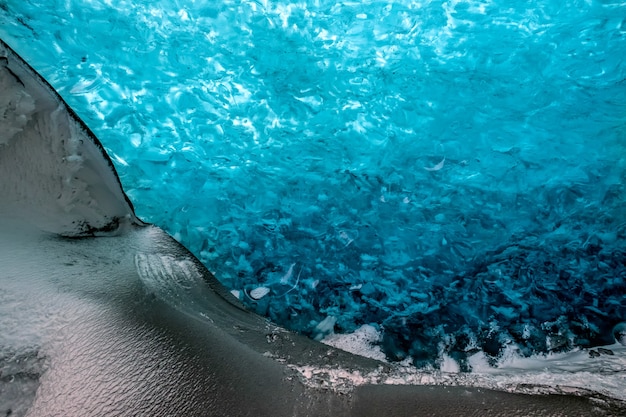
(450, 172)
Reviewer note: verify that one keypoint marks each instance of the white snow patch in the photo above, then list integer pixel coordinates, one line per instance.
(362, 342)
(574, 373)
(325, 327)
(449, 365)
(259, 292)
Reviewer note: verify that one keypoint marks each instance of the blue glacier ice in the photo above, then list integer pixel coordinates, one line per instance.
(451, 172)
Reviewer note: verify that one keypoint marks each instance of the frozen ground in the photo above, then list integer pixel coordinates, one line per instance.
(450, 173)
(579, 372)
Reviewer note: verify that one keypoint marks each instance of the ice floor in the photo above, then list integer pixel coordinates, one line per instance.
(450, 173)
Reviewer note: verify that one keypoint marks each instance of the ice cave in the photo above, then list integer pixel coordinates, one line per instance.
(440, 184)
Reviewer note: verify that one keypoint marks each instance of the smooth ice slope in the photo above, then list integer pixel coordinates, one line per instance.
(450, 172)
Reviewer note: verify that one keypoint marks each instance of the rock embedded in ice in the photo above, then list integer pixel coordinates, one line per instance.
(605, 351)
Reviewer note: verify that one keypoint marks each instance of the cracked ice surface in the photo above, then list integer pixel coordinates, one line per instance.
(451, 173)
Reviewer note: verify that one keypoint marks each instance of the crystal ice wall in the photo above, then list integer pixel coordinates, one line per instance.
(449, 171)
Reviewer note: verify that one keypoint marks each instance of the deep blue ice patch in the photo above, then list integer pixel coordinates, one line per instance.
(452, 172)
